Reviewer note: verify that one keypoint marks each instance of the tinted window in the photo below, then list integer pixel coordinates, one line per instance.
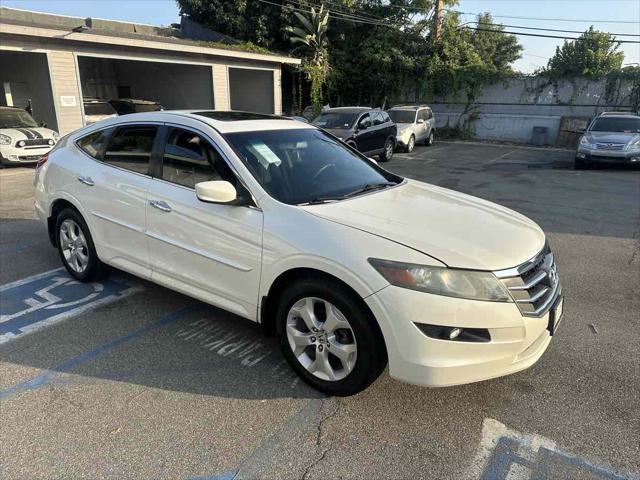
(378, 119)
(365, 121)
(130, 148)
(190, 159)
(335, 120)
(423, 114)
(95, 143)
(98, 108)
(305, 165)
(402, 116)
(16, 118)
(613, 124)
(385, 117)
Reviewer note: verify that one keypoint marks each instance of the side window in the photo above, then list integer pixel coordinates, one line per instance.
(385, 117)
(365, 121)
(130, 148)
(429, 113)
(189, 159)
(95, 143)
(378, 119)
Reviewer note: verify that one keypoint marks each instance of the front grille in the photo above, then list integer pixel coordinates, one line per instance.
(35, 142)
(610, 146)
(534, 285)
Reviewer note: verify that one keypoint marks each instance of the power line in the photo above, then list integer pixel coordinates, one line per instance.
(335, 15)
(549, 19)
(537, 34)
(553, 29)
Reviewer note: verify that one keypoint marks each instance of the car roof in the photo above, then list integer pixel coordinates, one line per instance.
(409, 107)
(11, 109)
(222, 121)
(618, 114)
(349, 109)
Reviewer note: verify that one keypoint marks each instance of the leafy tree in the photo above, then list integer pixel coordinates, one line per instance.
(593, 54)
(311, 41)
(493, 46)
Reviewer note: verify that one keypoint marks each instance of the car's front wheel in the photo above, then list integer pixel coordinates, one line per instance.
(411, 144)
(387, 151)
(76, 248)
(328, 338)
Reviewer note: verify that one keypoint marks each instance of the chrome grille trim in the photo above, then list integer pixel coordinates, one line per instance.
(610, 146)
(534, 286)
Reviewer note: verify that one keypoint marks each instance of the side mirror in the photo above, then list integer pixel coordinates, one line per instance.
(420, 120)
(216, 191)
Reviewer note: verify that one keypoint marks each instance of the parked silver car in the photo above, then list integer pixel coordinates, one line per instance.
(415, 125)
(611, 137)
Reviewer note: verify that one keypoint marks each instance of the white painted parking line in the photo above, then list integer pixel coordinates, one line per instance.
(32, 303)
(500, 157)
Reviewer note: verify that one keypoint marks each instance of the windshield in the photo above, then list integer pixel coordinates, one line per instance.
(306, 165)
(613, 124)
(335, 120)
(16, 118)
(98, 108)
(402, 116)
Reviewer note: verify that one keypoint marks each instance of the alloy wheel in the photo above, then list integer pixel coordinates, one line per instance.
(411, 144)
(74, 246)
(321, 338)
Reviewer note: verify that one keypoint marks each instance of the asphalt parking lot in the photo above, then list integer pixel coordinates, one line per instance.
(125, 379)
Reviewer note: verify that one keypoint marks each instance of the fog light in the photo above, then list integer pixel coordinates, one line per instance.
(51, 141)
(635, 159)
(581, 155)
(22, 143)
(454, 332)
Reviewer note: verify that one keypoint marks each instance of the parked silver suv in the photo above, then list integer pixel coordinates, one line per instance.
(611, 137)
(415, 124)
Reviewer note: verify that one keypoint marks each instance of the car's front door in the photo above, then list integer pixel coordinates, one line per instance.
(113, 192)
(206, 250)
(365, 136)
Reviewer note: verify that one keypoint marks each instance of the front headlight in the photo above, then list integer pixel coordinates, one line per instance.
(5, 139)
(634, 145)
(584, 142)
(469, 284)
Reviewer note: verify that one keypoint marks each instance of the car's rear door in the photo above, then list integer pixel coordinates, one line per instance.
(112, 190)
(206, 250)
(366, 135)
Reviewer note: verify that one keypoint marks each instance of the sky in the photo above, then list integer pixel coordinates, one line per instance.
(536, 50)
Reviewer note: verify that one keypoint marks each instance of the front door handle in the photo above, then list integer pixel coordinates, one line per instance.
(87, 181)
(160, 205)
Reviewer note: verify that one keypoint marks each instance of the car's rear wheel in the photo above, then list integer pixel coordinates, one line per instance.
(328, 339)
(411, 144)
(430, 139)
(387, 151)
(76, 248)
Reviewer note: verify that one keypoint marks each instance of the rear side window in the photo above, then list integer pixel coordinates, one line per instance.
(130, 148)
(190, 159)
(94, 144)
(378, 119)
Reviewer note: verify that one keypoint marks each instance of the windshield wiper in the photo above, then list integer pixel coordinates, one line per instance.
(369, 187)
(321, 200)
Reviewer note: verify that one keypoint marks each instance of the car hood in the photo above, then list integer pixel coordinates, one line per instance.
(459, 230)
(27, 133)
(339, 132)
(403, 126)
(611, 137)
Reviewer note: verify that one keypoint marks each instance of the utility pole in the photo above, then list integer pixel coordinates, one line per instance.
(438, 20)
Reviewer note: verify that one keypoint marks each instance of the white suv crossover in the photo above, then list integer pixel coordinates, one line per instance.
(280, 223)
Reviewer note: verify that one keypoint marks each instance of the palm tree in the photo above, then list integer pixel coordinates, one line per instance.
(311, 38)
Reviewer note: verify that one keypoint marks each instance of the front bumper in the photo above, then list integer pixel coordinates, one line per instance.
(10, 154)
(608, 156)
(517, 342)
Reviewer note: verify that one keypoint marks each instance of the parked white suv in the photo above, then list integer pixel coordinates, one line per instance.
(280, 223)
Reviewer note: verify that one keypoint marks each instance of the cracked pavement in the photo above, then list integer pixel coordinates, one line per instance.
(157, 385)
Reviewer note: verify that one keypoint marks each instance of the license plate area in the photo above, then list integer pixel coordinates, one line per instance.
(555, 315)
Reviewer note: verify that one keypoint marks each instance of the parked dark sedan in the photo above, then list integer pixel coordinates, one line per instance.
(369, 130)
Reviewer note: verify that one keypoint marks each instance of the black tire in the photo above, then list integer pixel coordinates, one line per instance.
(387, 151)
(430, 139)
(95, 269)
(411, 144)
(371, 353)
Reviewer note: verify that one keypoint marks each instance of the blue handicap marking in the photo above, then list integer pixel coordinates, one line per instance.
(34, 302)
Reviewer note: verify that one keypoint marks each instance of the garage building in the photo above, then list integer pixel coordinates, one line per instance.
(55, 63)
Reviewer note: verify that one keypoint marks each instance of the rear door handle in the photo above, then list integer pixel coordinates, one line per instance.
(160, 205)
(87, 181)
